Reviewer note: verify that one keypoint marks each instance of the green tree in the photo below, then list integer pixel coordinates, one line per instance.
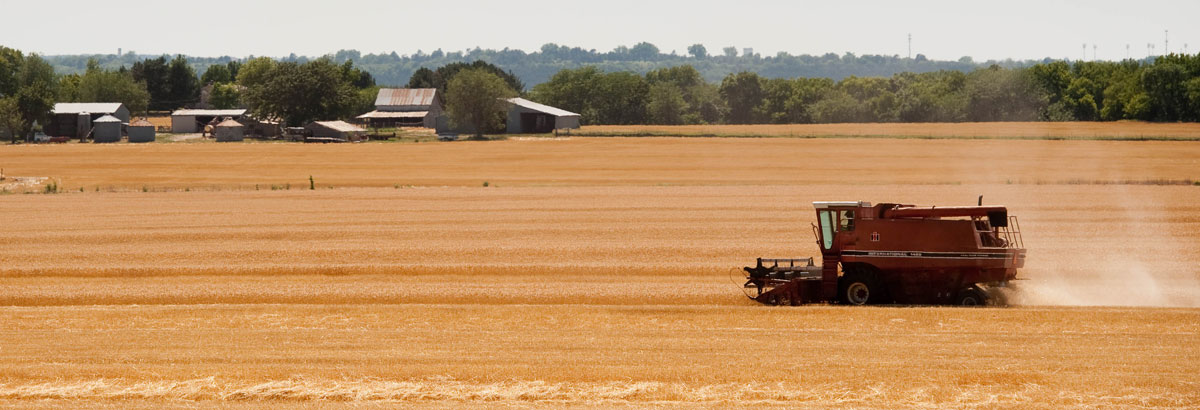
(297, 93)
(998, 94)
(698, 51)
(742, 93)
(35, 92)
(1164, 85)
(155, 73)
(11, 120)
(474, 100)
(99, 85)
(440, 78)
(665, 104)
(572, 90)
(216, 74)
(185, 86)
(225, 96)
(10, 64)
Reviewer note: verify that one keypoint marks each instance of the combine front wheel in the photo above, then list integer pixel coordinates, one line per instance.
(858, 289)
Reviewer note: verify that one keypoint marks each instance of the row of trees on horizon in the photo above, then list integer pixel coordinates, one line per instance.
(1164, 89)
(538, 66)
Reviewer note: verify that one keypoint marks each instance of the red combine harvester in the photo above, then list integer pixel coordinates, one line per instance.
(893, 253)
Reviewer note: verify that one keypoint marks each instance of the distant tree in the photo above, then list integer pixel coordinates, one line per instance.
(730, 51)
(216, 74)
(698, 51)
(440, 78)
(474, 100)
(155, 73)
(10, 117)
(665, 104)
(10, 64)
(35, 91)
(644, 51)
(1165, 86)
(185, 86)
(742, 93)
(297, 93)
(357, 77)
(99, 85)
(225, 96)
(997, 94)
(571, 90)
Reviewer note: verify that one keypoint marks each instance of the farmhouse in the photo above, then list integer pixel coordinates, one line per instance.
(528, 117)
(229, 131)
(335, 131)
(75, 119)
(405, 107)
(187, 121)
(140, 131)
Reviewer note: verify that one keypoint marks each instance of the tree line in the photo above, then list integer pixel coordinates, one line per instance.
(537, 66)
(1165, 89)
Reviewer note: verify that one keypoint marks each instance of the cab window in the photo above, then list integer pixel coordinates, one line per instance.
(827, 228)
(847, 221)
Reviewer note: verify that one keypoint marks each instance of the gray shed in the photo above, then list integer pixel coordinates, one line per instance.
(186, 121)
(528, 117)
(141, 131)
(338, 130)
(230, 131)
(106, 129)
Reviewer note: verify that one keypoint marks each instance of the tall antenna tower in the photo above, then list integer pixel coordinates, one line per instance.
(909, 45)
(1126, 51)
(1084, 52)
(1094, 58)
(1166, 43)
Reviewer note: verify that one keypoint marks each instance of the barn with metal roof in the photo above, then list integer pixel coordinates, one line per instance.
(398, 107)
(75, 119)
(528, 117)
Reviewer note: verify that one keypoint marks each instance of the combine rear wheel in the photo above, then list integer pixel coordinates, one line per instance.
(972, 297)
(857, 288)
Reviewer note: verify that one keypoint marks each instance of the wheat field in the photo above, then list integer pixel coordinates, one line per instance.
(590, 273)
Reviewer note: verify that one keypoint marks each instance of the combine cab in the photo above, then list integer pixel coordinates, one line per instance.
(893, 253)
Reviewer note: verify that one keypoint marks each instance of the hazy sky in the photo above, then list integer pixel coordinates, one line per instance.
(1019, 29)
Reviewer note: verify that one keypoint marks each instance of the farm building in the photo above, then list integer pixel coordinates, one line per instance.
(106, 129)
(528, 117)
(140, 131)
(230, 131)
(405, 107)
(187, 121)
(75, 119)
(335, 131)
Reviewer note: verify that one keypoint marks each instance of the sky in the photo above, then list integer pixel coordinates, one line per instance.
(943, 30)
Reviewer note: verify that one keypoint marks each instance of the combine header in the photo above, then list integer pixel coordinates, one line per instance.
(893, 253)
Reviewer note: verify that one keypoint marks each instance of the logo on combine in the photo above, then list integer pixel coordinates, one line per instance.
(874, 236)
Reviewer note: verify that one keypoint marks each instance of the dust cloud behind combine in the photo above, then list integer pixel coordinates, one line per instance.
(1147, 235)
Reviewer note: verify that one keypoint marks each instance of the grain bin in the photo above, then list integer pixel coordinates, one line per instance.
(106, 129)
(141, 131)
(230, 131)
